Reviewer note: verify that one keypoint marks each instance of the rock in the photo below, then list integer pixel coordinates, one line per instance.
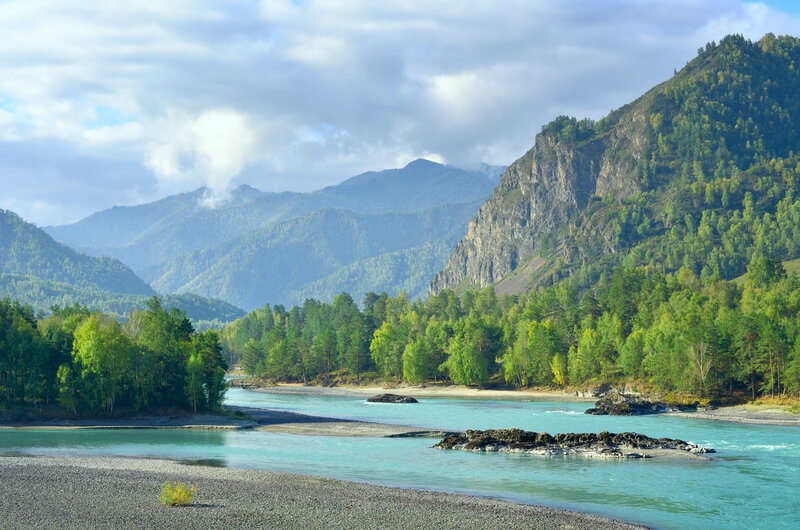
(618, 404)
(603, 444)
(391, 398)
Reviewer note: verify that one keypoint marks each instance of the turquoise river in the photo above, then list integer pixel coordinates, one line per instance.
(752, 482)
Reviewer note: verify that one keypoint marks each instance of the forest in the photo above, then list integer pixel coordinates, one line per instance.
(82, 363)
(665, 332)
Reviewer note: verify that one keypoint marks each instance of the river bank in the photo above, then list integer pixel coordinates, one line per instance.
(421, 391)
(755, 414)
(751, 414)
(50, 492)
(266, 420)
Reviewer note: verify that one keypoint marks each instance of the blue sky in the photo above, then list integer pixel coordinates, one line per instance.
(105, 103)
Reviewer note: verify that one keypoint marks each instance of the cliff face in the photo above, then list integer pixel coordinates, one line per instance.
(541, 193)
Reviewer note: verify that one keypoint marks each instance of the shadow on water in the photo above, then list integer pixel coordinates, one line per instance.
(205, 462)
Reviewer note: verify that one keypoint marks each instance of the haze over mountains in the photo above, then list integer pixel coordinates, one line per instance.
(386, 230)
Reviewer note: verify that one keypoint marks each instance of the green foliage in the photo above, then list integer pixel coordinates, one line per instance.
(177, 495)
(674, 331)
(91, 364)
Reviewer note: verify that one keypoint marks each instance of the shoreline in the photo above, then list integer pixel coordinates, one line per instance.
(746, 414)
(424, 391)
(70, 492)
(265, 420)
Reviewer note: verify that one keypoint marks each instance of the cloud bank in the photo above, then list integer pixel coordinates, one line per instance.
(114, 103)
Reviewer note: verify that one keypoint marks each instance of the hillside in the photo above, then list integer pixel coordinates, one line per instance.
(700, 172)
(282, 262)
(44, 294)
(28, 250)
(36, 270)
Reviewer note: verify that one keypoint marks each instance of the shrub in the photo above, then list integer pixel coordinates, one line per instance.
(178, 495)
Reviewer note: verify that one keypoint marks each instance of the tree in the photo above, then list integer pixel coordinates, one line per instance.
(103, 352)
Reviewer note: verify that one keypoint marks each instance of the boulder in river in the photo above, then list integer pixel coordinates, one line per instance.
(391, 398)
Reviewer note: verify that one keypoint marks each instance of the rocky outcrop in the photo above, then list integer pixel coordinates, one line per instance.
(539, 193)
(604, 444)
(615, 403)
(391, 398)
(544, 191)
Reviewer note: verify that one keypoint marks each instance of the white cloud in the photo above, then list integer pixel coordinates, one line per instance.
(403, 159)
(210, 150)
(299, 95)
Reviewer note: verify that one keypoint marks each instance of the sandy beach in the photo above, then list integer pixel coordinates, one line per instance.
(55, 492)
(425, 392)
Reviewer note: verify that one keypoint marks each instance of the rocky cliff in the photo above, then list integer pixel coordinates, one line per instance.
(544, 192)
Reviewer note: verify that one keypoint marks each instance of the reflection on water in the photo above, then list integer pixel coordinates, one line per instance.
(754, 482)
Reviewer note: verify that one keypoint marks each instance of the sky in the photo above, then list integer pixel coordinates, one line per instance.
(116, 103)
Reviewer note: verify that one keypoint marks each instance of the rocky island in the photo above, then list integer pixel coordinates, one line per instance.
(602, 445)
(391, 398)
(616, 403)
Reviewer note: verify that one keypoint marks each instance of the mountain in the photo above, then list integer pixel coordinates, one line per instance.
(37, 270)
(147, 235)
(28, 250)
(365, 233)
(273, 262)
(700, 173)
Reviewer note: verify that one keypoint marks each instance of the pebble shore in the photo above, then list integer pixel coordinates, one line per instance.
(106, 492)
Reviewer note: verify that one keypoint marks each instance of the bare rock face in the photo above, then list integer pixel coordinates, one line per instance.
(543, 191)
(391, 398)
(603, 444)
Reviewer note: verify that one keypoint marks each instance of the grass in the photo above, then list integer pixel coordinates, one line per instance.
(177, 495)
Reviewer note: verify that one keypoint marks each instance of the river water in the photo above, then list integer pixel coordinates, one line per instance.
(752, 482)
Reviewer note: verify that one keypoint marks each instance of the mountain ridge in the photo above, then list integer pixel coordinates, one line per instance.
(589, 196)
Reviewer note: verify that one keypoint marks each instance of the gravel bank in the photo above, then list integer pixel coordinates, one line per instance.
(752, 414)
(57, 492)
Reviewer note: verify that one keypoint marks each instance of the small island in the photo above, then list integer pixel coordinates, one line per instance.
(602, 445)
(391, 398)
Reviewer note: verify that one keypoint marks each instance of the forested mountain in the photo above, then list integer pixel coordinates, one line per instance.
(28, 250)
(701, 172)
(282, 261)
(38, 271)
(383, 230)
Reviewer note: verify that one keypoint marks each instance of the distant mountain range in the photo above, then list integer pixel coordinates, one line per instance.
(37, 270)
(378, 231)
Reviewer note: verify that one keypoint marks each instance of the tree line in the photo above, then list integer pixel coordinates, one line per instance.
(88, 363)
(669, 332)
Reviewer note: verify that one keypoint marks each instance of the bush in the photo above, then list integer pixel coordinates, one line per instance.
(178, 495)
